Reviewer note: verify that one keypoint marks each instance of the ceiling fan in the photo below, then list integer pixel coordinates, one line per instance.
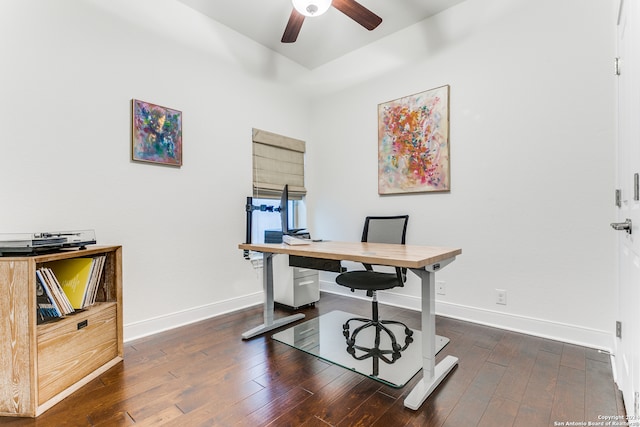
(303, 8)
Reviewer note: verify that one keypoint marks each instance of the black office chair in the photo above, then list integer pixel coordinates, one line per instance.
(377, 229)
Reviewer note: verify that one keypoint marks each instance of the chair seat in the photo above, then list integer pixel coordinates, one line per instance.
(367, 280)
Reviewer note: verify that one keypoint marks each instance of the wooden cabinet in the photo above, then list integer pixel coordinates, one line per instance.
(42, 364)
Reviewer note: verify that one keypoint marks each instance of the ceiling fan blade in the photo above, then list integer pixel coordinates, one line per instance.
(358, 13)
(293, 27)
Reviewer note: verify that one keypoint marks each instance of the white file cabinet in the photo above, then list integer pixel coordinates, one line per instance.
(294, 287)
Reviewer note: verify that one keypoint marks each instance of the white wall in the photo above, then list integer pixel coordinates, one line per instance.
(532, 160)
(69, 71)
(532, 136)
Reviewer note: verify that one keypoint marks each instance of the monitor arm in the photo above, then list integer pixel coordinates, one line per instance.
(249, 208)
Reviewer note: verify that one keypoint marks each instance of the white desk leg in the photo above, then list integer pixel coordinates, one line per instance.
(432, 374)
(267, 283)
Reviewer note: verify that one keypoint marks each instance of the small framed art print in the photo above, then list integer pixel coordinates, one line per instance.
(156, 134)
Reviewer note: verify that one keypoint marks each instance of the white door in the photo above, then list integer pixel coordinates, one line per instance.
(627, 359)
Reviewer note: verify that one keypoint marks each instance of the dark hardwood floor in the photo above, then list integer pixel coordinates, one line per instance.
(205, 375)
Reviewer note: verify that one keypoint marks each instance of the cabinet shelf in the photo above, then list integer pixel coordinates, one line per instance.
(42, 364)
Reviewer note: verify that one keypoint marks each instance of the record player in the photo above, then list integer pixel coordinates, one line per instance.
(12, 244)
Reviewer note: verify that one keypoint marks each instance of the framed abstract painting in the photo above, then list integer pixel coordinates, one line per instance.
(157, 134)
(413, 143)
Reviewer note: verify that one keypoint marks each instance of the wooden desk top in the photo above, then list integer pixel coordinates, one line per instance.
(409, 256)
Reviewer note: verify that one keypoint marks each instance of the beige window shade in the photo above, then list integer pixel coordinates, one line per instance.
(277, 160)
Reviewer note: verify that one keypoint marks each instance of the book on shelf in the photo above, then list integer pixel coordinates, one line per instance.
(97, 268)
(79, 279)
(52, 287)
(47, 308)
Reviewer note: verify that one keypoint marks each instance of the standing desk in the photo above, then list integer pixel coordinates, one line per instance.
(424, 261)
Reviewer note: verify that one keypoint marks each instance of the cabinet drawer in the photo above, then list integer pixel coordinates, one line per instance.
(306, 281)
(74, 347)
(305, 290)
(303, 272)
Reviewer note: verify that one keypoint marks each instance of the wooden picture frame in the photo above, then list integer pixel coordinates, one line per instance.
(413, 143)
(156, 134)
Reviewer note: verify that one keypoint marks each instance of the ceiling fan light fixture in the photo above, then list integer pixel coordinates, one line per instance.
(311, 7)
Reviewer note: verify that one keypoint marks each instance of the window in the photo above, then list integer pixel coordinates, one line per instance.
(277, 160)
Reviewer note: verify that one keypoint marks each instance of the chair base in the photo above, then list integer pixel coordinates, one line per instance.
(376, 352)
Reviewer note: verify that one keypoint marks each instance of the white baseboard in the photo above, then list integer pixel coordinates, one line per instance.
(158, 324)
(572, 334)
(568, 333)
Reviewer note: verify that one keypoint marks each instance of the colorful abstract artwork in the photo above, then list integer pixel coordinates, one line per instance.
(413, 143)
(157, 134)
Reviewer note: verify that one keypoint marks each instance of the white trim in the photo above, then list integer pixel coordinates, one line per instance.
(163, 323)
(568, 333)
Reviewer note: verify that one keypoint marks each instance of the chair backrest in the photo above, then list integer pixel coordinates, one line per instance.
(386, 229)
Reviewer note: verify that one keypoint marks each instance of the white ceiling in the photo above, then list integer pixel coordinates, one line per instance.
(321, 39)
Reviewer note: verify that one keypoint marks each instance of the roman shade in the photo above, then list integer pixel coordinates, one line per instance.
(277, 160)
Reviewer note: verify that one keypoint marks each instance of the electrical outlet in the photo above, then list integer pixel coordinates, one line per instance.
(501, 297)
(441, 287)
